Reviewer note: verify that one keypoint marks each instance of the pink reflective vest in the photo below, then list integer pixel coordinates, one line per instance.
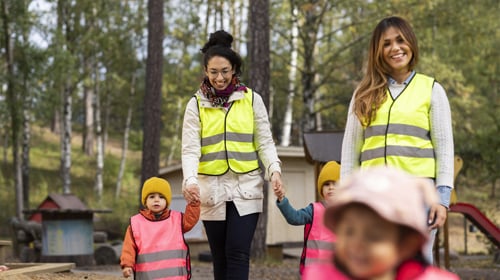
(410, 270)
(162, 252)
(318, 240)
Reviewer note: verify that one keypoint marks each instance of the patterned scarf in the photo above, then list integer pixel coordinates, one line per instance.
(219, 98)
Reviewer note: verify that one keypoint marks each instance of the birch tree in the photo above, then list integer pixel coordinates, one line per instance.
(292, 75)
(99, 137)
(126, 134)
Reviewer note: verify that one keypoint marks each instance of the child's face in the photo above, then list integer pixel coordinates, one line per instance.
(367, 245)
(156, 202)
(328, 189)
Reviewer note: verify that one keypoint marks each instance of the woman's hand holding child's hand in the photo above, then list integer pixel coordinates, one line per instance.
(192, 193)
(277, 185)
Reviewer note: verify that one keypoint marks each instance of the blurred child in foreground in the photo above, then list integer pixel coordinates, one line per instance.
(318, 240)
(154, 245)
(378, 216)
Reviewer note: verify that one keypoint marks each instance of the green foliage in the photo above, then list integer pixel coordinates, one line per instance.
(45, 179)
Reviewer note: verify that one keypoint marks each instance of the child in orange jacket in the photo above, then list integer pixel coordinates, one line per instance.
(154, 244)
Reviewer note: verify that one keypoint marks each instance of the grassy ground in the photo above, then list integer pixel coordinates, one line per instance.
(45, 179)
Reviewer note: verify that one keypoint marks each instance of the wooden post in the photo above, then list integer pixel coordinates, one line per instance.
(435, 249)
(446, 245)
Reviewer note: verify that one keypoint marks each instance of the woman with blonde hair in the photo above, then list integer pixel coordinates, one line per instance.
(399, 117)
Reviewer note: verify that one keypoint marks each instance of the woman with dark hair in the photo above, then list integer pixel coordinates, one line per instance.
(401, 118)
(225, 134)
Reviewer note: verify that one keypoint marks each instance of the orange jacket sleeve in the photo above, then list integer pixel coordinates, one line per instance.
(191, 216)
(127, 259)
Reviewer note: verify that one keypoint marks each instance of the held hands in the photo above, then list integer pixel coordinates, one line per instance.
(191, 193)
(127, 272)
(437, 216)
(277, 185)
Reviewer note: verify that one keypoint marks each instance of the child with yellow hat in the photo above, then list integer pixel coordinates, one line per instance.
(318, 240)
(155, 233)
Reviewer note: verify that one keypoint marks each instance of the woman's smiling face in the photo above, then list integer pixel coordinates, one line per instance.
(219, 72)
(397, 54)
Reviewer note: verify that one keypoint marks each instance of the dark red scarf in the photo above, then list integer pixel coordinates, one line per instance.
(219, 98)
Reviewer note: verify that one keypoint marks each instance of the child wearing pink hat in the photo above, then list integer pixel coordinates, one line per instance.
(318, 240)
(378, 216)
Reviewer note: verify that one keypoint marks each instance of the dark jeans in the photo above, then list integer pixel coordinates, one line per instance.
(230, 242)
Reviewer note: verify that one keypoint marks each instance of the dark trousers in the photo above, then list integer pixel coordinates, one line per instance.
(230, 242)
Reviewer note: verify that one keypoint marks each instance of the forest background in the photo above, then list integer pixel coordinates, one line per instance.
(73, 84)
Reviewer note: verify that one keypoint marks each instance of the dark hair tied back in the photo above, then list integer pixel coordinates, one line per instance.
(219, 44)
(219, 37)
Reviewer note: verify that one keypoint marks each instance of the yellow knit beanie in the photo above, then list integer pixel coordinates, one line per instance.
(156, 185)
(329, 172)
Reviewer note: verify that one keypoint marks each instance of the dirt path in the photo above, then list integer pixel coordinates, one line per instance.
(268, 271)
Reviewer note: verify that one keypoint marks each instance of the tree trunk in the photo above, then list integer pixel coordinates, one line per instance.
(13, 106)
(259, 53)
(292, 75)
(175, 137)
(26, 145)
(88, 126)
(105, 124)
(55, 126)
(310, 29)
(126, 133)
(152, 99)
(66, 136)
(67, 102)
(25, 67)
(99, 140)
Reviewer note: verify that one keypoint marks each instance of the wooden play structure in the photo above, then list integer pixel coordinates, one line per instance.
(471, 213)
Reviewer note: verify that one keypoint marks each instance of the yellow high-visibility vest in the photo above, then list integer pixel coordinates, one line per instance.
(400, 134)
(227, 138)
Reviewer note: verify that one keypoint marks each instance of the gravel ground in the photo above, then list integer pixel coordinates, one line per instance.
(466, 268)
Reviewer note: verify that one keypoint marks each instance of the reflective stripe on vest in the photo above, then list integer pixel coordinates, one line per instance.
(227, 138)
(400, 134)
(318, 240)
(162, 252)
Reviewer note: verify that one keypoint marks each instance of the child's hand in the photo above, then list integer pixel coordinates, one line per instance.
(192, 193)
(279, 191)
(127, 272)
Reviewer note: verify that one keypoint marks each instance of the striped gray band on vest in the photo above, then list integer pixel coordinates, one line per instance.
(230, 136)
(402, 129)
(231, 155)
(159, 256)
(161, 273)
(401, 151)
(319, 245)
(316, 244)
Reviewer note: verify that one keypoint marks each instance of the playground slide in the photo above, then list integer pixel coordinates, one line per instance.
(482, 222)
